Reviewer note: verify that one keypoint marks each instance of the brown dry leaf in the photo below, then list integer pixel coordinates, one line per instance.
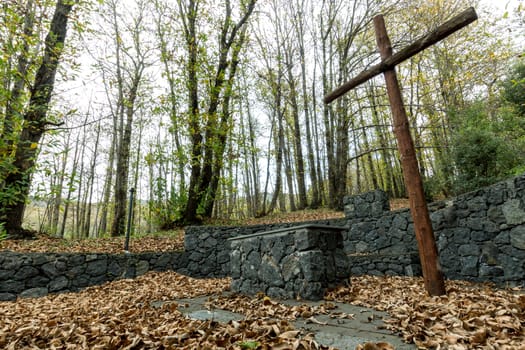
(314, 320)
(470, 315)
(375, 346)
(119, 315)
(108, 316)
(289, 334)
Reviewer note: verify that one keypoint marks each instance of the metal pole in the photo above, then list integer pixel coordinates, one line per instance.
(130, 216)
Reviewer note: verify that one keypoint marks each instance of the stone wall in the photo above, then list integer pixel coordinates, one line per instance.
(295, 262)
(209, 250)
(480, 235)
(37, 274)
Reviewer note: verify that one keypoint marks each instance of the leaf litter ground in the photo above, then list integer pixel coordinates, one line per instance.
(123, 315)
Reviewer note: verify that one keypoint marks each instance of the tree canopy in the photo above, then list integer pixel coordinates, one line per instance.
(214, 109)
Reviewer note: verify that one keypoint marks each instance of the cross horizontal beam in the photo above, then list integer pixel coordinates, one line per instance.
(441, 32)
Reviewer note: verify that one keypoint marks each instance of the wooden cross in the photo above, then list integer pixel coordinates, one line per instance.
(432, 274)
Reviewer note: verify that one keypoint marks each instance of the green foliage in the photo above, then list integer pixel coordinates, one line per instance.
(485, 149)
(482, 158)
(167, 211)
(514, 88)
(249, 344)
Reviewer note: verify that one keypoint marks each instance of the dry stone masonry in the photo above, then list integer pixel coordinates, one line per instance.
(37, 274)
(480, 237)
(301, 261)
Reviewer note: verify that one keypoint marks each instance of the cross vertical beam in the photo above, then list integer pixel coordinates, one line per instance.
(428, 253)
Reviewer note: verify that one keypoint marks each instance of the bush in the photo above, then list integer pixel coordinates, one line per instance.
(481, 158)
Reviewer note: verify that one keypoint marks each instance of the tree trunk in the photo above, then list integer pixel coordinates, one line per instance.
(92, 170)
(190, 33)
(18, 181)
(57, 201)
(221, 132)
(289, 178)
(70, 190)
(118, 225)
(297, 138)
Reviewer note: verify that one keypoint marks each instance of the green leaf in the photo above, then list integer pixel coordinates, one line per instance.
(249, 345)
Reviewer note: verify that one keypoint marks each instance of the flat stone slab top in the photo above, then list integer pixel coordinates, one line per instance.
(295, 262)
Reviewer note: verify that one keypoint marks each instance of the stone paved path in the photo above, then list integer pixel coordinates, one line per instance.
(343, 334)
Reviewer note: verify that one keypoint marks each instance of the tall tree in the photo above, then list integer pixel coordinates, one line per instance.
(129, 77)
(207, 131)
(341, 54)
(18, 178)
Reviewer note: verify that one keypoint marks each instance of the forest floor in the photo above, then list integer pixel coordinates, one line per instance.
(122, 314)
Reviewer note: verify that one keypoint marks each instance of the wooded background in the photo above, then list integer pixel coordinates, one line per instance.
(213, 109)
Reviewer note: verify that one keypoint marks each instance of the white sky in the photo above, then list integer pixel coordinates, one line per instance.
(503, 5)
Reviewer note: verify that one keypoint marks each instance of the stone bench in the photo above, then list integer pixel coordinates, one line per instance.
(296, 262)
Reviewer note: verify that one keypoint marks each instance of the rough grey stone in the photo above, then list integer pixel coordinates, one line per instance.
(196, 256)
(477, 204)
(357, 271)
(489, 254)
(75, 271)
(306, 239)
(270, 273)
(469, 250)
(13, 262)
(517, 237)
(34, 293)
(222, 257)
(254, 258)
(96, 267)
(491, 271)
(397, 233)
(311, 291)
(235, 262)
(210, 242)
(7, 297)
(5, 274)
(361, 247)
(54, 268)
(11, 286)
(482, 236)
(469, 266)
(291, 268)
(279, 293)
(513, 212)
(142, 267)
(249, 271)
(37, 281)
(502, 238)
(115, 269)
(495, 214)
(313, 265)
(59, 283)
(76, 260)
(236, 284)
(342, 265)
(162, 261)
(460, 235)
(92, 257)
(40, 258)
